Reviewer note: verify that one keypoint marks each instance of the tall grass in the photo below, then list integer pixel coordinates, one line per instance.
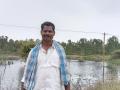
(108, 85)
(3, 83)
(2, 73)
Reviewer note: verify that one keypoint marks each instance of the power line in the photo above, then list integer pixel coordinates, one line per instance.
(30, 27)
(65, 30)
(7, 25)
(68, 30)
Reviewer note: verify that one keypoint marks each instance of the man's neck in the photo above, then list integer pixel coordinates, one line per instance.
(46, 44)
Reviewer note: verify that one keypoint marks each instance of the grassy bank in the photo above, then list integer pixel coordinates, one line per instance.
(110, 85)
(88, 57)
(114, 62)
(9, 57)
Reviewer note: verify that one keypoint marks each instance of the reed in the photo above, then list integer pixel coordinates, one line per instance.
(108, 85)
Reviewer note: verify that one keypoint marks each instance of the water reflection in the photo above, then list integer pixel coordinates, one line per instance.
(91, 72)
(88, 71)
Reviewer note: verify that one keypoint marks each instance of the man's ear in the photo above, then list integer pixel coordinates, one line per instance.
(54, 33)
(41, 32)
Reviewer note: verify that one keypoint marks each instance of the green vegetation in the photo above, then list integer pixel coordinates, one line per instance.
(26, 47)
(114, 58)
(83, 49)
(88, 57)
(115, 54)
(10, 49)
(114, 62)
(9, 57)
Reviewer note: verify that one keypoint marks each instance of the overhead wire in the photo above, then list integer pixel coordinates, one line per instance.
(63, 30)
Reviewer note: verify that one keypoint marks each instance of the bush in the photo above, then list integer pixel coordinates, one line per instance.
(25, 48)
(115, 54)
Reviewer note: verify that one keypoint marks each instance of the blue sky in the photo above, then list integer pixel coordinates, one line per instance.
(67, 15)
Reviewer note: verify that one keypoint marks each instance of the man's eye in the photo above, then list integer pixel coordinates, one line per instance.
(45, 31)
(50, 31)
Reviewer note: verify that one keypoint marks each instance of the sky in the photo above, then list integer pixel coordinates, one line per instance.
(74, 19)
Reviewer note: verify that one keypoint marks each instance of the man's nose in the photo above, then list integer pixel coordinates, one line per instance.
(47, 32)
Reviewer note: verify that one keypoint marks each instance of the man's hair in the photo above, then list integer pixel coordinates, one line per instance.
(48, 24)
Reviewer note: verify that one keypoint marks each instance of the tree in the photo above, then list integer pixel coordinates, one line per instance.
(112, 44)
(26, 47)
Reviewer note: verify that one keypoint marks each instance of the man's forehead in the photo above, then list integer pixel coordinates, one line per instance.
(47, 27)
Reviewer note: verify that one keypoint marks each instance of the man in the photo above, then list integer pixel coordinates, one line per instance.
(46, 67)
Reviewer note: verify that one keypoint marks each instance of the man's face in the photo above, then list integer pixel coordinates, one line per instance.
(47, 33)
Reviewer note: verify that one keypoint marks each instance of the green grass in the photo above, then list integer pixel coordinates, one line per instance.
(9, 57)
(89, 57)
(114, 62)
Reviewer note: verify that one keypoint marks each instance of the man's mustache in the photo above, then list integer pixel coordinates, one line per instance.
(46, 36)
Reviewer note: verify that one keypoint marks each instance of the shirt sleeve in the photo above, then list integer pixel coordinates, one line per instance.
(28, 58)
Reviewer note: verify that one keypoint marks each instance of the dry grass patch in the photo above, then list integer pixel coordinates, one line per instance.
(109, 85)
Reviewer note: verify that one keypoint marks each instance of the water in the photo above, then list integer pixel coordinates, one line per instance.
(89, 72)
(10, 76)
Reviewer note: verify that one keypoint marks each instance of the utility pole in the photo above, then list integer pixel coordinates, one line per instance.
(103, 52)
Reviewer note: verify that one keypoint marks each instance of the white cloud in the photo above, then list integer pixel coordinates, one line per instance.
(83, 15)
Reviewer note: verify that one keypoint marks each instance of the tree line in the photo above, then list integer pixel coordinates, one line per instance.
(17, 47)
(91, 47)
(81, 47)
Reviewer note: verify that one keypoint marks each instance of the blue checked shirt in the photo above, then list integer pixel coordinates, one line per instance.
(31, 68)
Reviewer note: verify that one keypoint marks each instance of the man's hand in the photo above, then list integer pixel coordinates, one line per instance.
(67, 87)
(22, 86)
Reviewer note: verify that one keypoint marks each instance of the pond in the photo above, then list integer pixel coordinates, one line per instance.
(88, 71)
